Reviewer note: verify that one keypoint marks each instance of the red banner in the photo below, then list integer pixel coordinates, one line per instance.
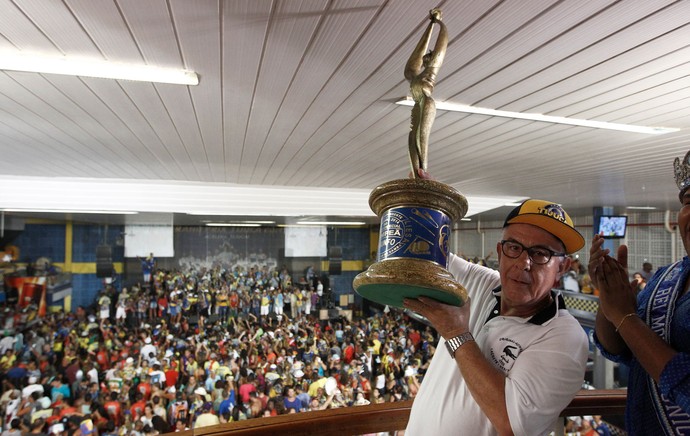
(31, 290)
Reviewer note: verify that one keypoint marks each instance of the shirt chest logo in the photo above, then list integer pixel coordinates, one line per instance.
(504, 353)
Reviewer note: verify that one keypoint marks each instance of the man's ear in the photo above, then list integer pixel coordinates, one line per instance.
(499, 251)
(564, 266)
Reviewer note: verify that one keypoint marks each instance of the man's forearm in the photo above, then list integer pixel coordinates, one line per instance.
(486, 384)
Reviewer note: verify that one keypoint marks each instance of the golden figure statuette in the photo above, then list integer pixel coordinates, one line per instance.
(417, 214)
(421, 70)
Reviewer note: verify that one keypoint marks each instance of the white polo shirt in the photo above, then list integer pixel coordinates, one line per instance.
(544, 362)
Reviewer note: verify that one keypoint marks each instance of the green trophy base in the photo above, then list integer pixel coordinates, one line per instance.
(390, 281)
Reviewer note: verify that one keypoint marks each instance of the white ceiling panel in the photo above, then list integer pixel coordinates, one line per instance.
(153, 31)
(103, 23)
(299, 95)
(59, 24)
(19, 31)
(610, 90)
(570, 70)
(198, 30)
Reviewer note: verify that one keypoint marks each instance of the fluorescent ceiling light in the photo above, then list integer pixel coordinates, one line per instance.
(455, 107)
(102, 212)
(95, 68)
(241, 202)
(237, 222)
(233, 225)
(512, 204)
(465, 219)
(641, 207)
(331, 223)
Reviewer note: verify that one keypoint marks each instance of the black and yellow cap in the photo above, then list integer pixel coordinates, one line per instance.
(551, 217)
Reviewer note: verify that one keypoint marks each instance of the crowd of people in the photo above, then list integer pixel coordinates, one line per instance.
(208, 346)
(201, 348)
(577, 278)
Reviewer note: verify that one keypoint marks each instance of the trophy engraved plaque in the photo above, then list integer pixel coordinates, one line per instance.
(416, 214)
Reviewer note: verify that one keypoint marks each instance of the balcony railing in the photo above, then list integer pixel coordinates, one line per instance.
(385, 417)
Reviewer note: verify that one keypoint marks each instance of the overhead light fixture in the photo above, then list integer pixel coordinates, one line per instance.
(331, 223)
(241, 202)
(233, 225)
(465, 219)
(95, 68)
(236, 223)
(513, 204)
(455, 107)
(641, 207)
(102, 212)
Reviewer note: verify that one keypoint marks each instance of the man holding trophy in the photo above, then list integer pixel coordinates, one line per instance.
(515, 356)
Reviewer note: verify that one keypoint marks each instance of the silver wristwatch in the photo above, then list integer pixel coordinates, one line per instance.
(456, 342)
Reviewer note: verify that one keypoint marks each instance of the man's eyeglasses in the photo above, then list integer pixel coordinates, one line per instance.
(538, 255)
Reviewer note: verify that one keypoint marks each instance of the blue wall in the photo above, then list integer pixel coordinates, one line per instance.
(355, 246)
(354, 241)
(85, 288)
(49, 240)
(85, 239)
(41, 240)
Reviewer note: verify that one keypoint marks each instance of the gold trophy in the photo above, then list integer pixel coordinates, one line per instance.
(416, 214)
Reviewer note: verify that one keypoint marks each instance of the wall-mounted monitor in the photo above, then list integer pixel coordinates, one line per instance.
(142, 240)
(612, 226)
(306, 241)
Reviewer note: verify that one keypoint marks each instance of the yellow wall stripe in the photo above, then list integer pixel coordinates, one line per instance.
(42, 221)
(353, 265)
(88, 267)
(68, 246)
(347, 265)
(374, 241)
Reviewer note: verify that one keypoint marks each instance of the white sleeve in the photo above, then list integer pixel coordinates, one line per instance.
(546, 377)
(473, 277)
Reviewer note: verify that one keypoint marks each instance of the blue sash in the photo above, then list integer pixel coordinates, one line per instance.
(658, 316)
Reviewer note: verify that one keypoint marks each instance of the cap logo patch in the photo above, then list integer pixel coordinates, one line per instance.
(554, 211)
